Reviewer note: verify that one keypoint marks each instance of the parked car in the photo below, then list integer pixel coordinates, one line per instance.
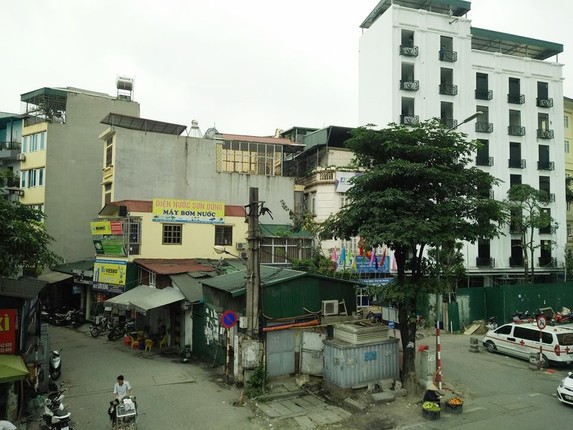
(565, 390)
(521, 339)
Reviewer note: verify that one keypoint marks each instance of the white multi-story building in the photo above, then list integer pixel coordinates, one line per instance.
(424, 59)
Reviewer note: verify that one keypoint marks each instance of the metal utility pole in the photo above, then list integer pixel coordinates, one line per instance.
(253, 284)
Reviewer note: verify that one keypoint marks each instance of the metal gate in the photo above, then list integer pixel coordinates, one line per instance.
(280, 353)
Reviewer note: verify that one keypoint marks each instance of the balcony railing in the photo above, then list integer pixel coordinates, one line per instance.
(515, 261)
(547, 196)
(410, 85)
(10, 146)
(545, 103)
(545, 134)
(409, 119)
(447, 55)
(516, 163)
(516, 130)
(547, 261)
(484, 94)
(485, 262)
(484, 161)
(409, 51)
(484, 127)
(517, 99)
(545, 165)
(448, 89)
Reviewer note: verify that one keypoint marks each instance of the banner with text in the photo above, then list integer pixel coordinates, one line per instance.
(7, 331)
(110, 272)
(195, 211)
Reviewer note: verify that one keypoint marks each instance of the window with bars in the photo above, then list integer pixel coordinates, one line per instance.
(172, 234)
(223, 235)
(276, 250)
(249, 157)
(134, 236)
(108, 152)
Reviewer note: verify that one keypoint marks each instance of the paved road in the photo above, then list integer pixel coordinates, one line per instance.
(170, 394)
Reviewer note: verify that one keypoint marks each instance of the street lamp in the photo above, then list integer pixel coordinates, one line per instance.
(438, 298)
(468, 119)
(222, 250)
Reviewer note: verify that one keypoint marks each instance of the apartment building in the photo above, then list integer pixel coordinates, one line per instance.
(421, 59)
(568, 139)
(10, 148)
(61, 159)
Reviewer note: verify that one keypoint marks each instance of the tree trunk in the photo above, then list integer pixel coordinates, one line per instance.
(408, 338)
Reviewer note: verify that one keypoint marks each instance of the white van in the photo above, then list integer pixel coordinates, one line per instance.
(521, 339)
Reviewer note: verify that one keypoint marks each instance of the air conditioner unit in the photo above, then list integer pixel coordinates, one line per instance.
(21, 157)
(244, 255)
(241, 245)
(329, 307)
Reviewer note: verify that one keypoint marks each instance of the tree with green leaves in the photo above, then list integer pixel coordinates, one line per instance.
(527, 214)
(23, 240)
(417, 191)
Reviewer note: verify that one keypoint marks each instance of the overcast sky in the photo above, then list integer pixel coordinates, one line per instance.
(246, 67)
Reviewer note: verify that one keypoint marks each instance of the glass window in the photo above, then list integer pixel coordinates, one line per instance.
(566, 121)
(108, 152)
(567, 146)
(172, 234)
(23, 178)
(504, 329)
(223, 235)
(41, 177)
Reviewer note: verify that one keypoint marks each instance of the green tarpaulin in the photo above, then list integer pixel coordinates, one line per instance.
(12, 368)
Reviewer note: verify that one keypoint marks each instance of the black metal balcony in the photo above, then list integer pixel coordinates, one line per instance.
(516, 163)
(484, 161)
(545, 165)
(547, 261)
(448, 89)
(410, 85)
(517, 99)
(547, 196)
(484, 127)
(514, 228)
(484, 94)
(515, 261)
(545, 134)
(409, 119)
(516, 130)
(10, 146)
(448, 56)
(409, 51)
(449, 123)
(485, 262)
(545, 103)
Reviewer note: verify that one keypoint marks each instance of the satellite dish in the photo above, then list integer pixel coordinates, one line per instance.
(210, 133)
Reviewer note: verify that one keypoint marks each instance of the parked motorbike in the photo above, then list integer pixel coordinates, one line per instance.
(56, 419)
(55, 399)
(186, 354)
(102, 324)
(121, 330)
(55, 364)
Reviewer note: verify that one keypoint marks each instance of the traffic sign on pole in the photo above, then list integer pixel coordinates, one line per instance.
(229, 319)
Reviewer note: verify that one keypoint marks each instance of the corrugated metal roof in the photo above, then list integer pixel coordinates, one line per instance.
(235, 283)
(511, 44)
(52, 277)
(23, 288)
(142, 124)
(189, 286)
(76, 265)
(261, 139)
(165, 266)
(457, 8)
(283, 230)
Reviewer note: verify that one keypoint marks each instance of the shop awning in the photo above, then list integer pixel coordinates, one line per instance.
(123, 301)
(160, 298)
(12, 368)
(51, 277)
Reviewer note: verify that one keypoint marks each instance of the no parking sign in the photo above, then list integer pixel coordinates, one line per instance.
(229, 319)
